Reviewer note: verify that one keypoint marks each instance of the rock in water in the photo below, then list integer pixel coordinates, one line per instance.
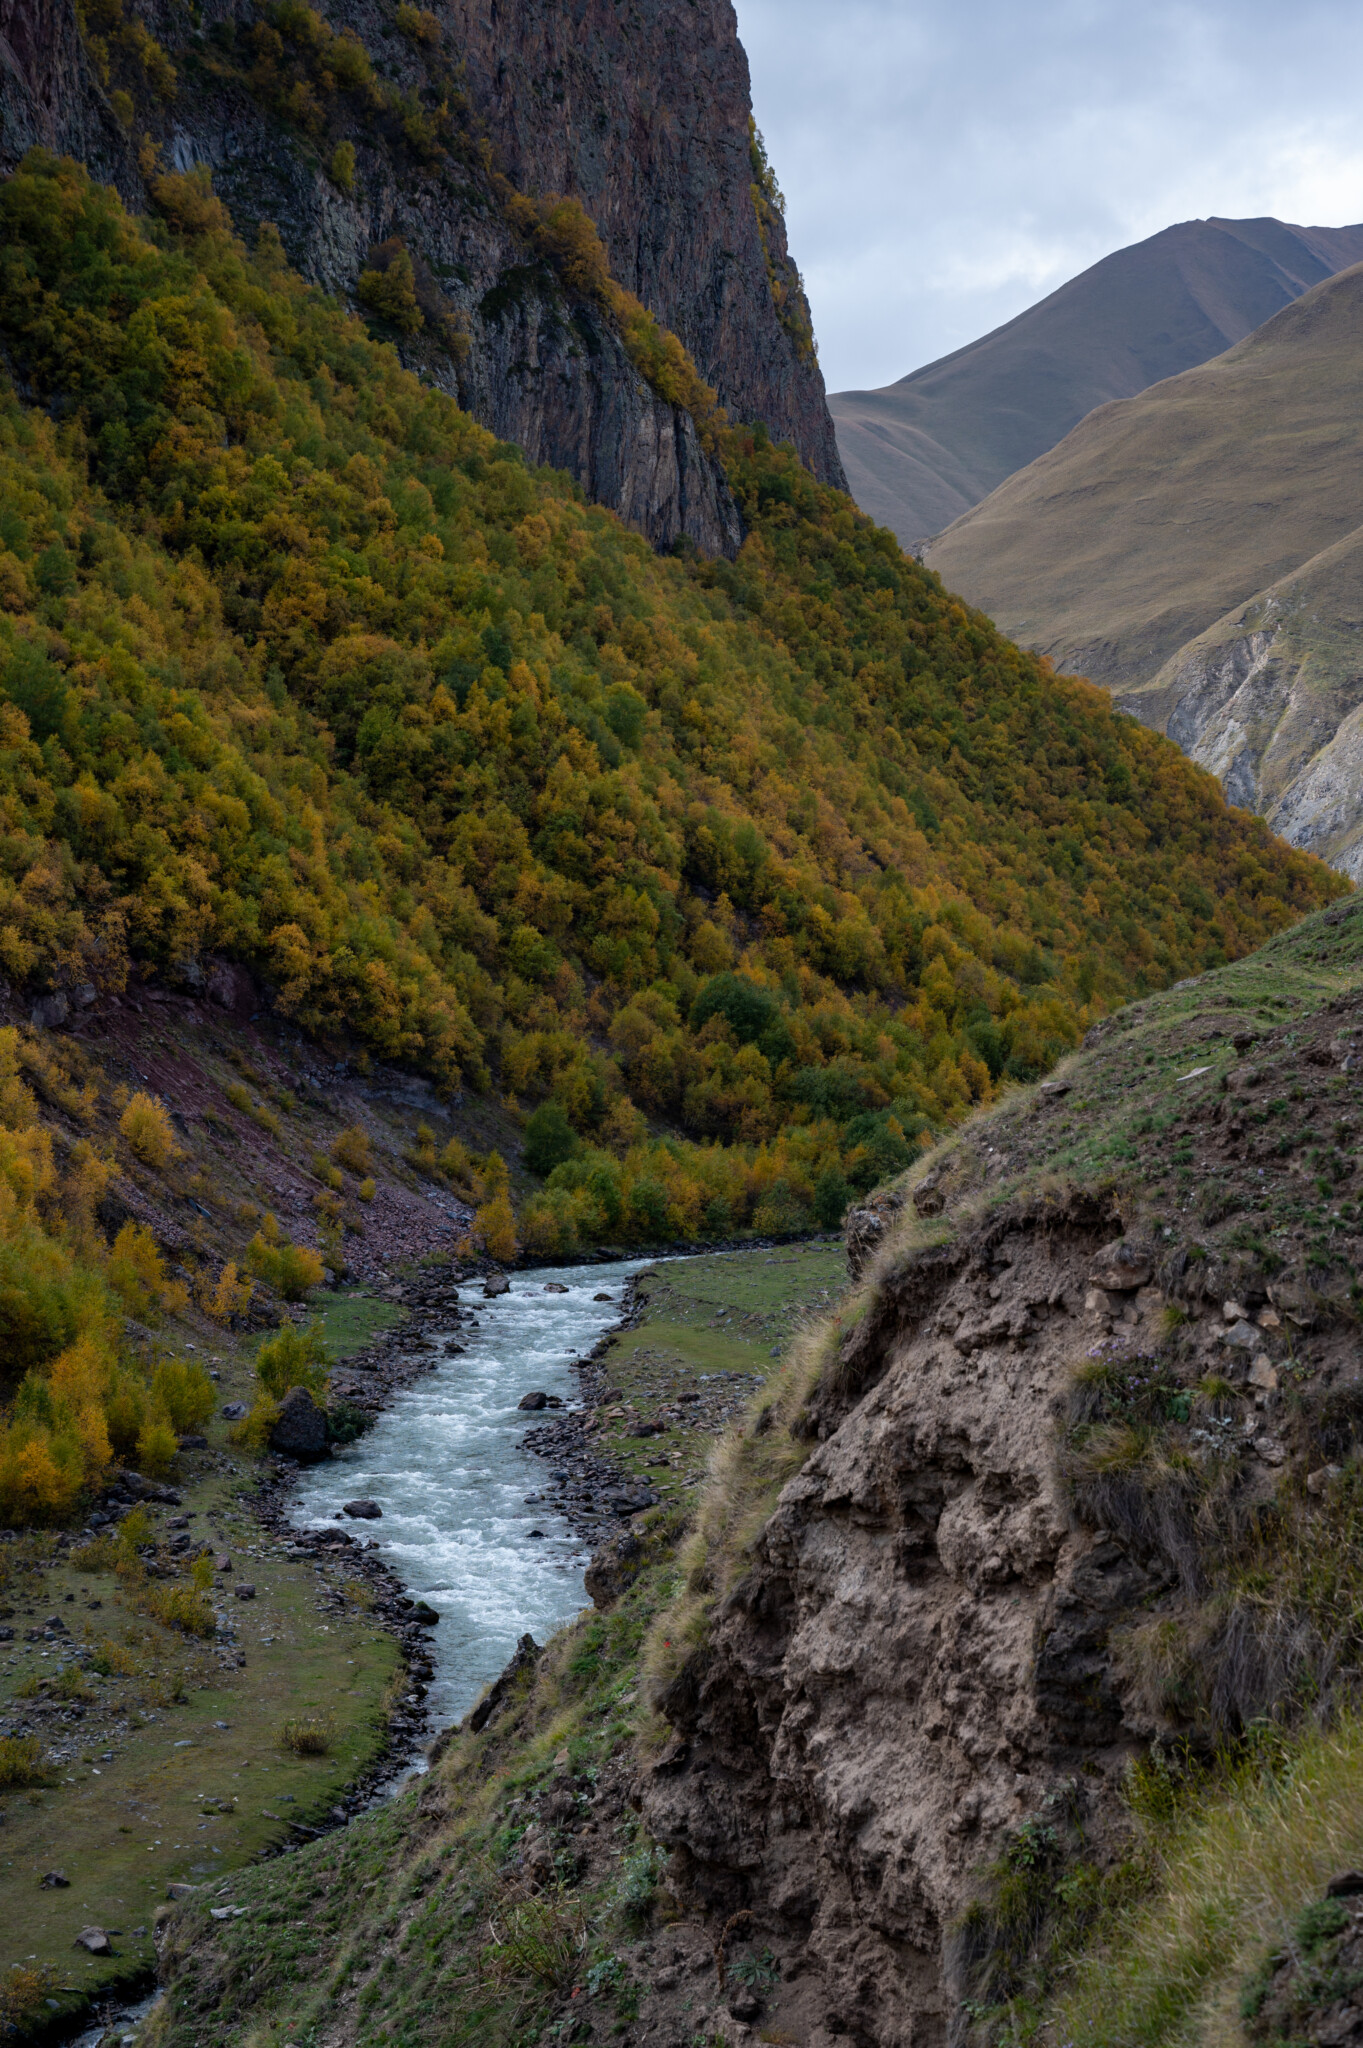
(495, 1284)
(535, 1401)
(301, 1431)
(363, 1510)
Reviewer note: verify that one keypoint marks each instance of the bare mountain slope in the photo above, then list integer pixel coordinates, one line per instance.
(1196, 550)
(1270, 698)
(923, 450)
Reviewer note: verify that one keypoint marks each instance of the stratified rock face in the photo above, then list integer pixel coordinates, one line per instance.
(49, 97)
(641, 113)
(918, 1655)
(1270, 699)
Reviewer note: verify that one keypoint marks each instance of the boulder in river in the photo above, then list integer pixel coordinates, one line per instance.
(363, 1510)
(301, 1428)
(495, 1284)
(535, 1401)
(554, 1287)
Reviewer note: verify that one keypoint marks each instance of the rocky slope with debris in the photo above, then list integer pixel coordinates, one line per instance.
(373, 134)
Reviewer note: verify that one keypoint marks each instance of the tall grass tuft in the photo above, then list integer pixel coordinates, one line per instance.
(309, 1734)
(1236, 1873)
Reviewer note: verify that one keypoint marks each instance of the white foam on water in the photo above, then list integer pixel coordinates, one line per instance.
(447, 1465)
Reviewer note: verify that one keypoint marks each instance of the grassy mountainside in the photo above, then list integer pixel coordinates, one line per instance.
(1158, 514)
(922, 451)
(516, 1892)
(300, 666)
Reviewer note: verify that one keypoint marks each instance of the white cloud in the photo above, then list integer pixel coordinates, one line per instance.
(946, 166)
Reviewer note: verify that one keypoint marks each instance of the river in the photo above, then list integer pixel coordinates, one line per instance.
(447, 1465)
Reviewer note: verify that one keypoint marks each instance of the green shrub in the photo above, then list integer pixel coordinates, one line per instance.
(309, 1734)
(186, 1393)
(550, 1139)
(293, 1358)
(21, 1762)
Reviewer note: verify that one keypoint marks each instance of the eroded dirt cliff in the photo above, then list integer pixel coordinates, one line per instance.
(914, 1660)
(1038, 1438)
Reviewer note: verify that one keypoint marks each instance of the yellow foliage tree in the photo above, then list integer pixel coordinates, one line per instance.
(146, 1125)
(496, 1225)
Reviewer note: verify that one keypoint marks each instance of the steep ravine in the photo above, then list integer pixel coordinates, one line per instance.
(976, 1552)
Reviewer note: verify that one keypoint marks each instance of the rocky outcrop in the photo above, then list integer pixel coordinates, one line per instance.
(1270, 699)
(916, 1661)
(300, 1430)
(50, 97)
(641, 114)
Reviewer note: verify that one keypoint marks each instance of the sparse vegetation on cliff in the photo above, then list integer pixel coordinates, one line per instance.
(783, 278)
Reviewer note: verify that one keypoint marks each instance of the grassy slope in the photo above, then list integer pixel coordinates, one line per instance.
(124, 1815)
(1161, 512)
(1233, 1864)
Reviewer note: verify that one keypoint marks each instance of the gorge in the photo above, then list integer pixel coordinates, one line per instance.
(483, 814)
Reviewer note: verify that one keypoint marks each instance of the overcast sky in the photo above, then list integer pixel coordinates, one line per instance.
(946, 165)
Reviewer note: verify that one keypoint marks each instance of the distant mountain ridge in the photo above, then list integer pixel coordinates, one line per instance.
(1199, 550)
(920, 452)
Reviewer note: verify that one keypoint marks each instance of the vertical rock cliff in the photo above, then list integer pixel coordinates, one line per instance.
(381, 134)
(641, 112)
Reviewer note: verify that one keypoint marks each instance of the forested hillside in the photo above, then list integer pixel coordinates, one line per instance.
(304, 668)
